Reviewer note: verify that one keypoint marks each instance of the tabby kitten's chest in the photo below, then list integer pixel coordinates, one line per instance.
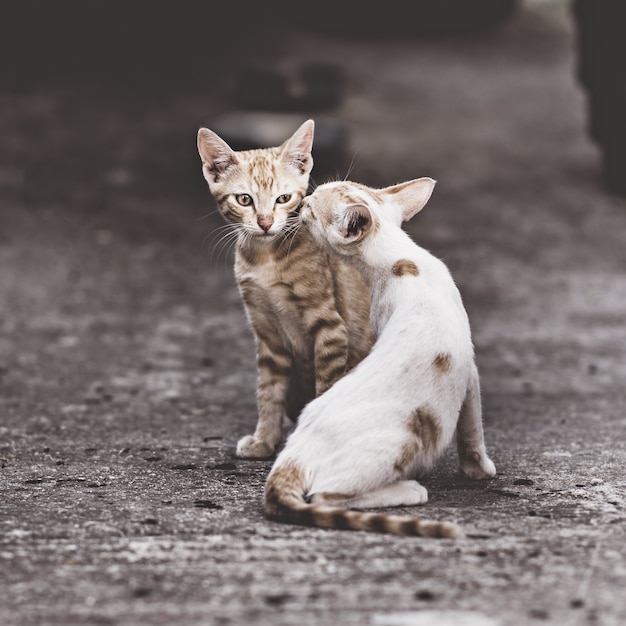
(271, 300)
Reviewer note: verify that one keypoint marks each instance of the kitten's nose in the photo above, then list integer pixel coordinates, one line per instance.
(265, 222)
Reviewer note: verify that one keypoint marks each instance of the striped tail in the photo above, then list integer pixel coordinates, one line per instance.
(284, 502)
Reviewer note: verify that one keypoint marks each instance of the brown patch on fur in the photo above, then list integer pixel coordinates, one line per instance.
(378, 523)
(404, 267)
(443, 362)
(425, 425)
(346, 195)
(286, 482)
(339, 519)
(408, 453)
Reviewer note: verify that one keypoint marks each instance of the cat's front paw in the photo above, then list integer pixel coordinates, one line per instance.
(249, 447)
(415, 493)
(478, 466)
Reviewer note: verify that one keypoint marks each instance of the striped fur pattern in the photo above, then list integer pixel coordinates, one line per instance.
(362, 443)
(309, 313)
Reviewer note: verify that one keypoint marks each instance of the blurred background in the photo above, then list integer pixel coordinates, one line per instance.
(101, 100)
(512, 105)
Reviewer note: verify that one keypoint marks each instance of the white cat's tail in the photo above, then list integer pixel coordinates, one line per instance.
(285, 502)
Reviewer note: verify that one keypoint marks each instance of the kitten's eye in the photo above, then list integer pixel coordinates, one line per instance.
(244, 199)
(283, 198)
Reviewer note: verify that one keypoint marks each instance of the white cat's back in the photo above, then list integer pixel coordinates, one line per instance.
(420, 294)
(361, 442)
(422, 359)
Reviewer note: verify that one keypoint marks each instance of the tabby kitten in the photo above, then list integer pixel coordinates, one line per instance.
(309, 313)
(360, 444)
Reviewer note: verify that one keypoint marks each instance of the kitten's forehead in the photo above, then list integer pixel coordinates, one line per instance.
(347, 193)
(260, 173)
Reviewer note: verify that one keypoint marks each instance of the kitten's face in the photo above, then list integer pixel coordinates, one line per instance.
(259, 191)
(344, 216)
(339, 216)
(260, 195)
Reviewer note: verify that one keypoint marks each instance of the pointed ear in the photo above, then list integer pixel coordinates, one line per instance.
(217, 156)
(355, 222)
(296, 151)
(411, 196)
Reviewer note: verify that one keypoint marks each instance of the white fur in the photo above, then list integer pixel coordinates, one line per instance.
(349, 439)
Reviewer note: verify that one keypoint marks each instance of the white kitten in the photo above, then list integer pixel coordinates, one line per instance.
(360, 444)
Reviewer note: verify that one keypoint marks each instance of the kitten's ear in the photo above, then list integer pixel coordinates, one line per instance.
(217, 156)
(296, 151)
(411, 196)
(355, 222)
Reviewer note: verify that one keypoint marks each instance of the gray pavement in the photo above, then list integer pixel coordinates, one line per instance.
(127, 373)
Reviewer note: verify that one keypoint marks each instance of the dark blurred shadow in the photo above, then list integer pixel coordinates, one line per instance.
(133, 46)
(114, 65)
(397, 18)
(166, 47)
(601, 55)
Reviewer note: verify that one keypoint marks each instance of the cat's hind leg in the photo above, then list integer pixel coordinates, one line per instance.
(401, 493)
(473, 459)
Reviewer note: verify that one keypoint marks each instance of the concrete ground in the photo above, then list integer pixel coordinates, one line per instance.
(127, 373)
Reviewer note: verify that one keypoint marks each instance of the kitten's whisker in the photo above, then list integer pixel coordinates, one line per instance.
(226, 242)
(314, 185)
(220, 232)
(353, 162)
(220, 229)
(223, 248)
(290, 232)
(209, 214)
(223, 240)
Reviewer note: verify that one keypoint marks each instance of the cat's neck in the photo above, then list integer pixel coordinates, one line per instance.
(386, 260)
(388, 247)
